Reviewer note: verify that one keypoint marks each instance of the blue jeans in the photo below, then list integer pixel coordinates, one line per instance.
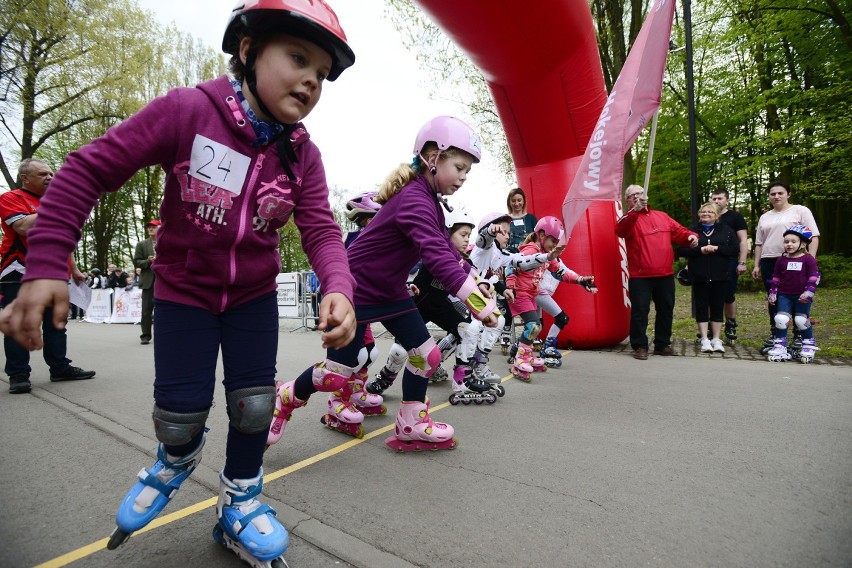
(55, 340)
(790, 304)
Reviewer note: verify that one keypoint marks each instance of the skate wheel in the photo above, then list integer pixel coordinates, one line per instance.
(504, 349)
(117, 538)
(466, 401)
(501, 390)
(478, 401)
(454, 400)
(491, 399)
(279, 563)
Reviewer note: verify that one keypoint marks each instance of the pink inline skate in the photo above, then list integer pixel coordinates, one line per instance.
(343, 415)
(285, 403)
(525, 363)
(368, 403)
(415, 430)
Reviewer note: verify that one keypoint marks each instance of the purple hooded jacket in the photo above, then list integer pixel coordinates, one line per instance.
(409, 227)
(223, 201)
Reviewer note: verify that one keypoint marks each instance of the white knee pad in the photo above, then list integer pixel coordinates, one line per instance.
(782, 320)
(423, 360)
(367, 355)
(469, 334)
(397, 356)
(802, 322)
(448, 345)
(489, 335)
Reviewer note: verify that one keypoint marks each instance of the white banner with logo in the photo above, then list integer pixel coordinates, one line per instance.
(100, 306)
(127, 306)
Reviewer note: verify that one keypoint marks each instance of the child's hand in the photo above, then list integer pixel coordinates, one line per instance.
(588, 282)
(415, 291)
(490, 321)
(807, 297)
(557, 250)
(495, 229)
(21, 320)
(772, 298)
(338, 315)
(509, 294)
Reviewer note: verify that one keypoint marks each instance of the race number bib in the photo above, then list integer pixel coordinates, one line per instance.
(795, 266)
(218, 165)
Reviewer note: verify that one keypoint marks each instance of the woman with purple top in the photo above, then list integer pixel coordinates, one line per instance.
(409, 226)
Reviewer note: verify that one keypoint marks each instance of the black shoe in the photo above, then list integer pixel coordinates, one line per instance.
(70, 373)
(145, 341)
(19, 384)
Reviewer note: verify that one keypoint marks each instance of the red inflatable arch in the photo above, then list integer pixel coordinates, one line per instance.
(542, 65)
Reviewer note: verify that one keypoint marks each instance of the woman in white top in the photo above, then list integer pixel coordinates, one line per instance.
(769, 235)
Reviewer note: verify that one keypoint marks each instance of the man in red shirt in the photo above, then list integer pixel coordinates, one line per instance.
(649, 236)
(17, 215)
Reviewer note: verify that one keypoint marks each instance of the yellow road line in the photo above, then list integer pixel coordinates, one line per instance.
(99, 545)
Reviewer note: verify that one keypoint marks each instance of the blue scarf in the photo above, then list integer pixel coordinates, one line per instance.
(266, 131)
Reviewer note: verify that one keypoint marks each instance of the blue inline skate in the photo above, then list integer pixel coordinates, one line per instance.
(247, 526)
(152, 492)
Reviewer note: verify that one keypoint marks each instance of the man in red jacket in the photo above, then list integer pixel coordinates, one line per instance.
(649, 236)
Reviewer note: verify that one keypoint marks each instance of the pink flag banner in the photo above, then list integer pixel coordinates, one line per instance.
(631, 104)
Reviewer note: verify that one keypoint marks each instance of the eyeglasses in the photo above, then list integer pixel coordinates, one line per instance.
(632, 195)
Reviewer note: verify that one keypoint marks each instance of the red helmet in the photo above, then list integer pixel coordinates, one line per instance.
(313, 20)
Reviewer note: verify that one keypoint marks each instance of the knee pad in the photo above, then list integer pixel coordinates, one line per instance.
(782, 319)
(531, 330)
(397, 356)
(367, 355)
(469, 334)
(802, 322)
(489, 335)
(561, 320)
(178, 428)
(731, 299)
(250, 409)
(423, 360)
(330, 376)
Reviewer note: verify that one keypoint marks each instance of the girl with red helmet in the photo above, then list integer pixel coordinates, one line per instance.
(410, 226)
(238, 163)
(549, 233)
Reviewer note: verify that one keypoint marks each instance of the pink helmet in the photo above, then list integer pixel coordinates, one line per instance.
(313, 20)
(446, 132)
(362, 204)
(493, 218)
(551, 226)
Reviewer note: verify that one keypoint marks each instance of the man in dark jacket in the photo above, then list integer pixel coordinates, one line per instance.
(143, 258)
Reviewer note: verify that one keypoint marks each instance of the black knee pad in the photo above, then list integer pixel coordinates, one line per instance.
(561, 320)
(250, 409)
(178, 428)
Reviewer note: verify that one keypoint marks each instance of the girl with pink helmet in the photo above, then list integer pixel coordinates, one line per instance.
(409, 226)
(549, 233)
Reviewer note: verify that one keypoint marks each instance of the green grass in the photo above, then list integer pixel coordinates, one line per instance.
(831, 316)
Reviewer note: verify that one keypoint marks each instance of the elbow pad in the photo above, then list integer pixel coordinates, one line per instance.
(527, 262)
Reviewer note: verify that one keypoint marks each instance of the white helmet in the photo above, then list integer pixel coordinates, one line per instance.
(458, 217)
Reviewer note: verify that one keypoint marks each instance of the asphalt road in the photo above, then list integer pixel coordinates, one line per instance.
(608, 461)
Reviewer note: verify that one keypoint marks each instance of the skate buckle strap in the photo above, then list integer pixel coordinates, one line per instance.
(245, 521)
(149, 478)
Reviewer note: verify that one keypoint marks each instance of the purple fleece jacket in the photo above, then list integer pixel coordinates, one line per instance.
(409, 227)
(223, 201)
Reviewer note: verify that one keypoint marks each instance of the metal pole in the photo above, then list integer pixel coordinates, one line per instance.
(690, 93)
(651, 150)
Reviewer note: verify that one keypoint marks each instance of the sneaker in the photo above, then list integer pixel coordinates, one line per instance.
(706, 346)
(145, 341)
(717, 346)
(70, 373)
(20, 383)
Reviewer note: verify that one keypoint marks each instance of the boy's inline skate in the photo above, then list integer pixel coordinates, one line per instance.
(795, 347)
(505, 341)
(551, 355)
(152, 492)
(537, 345)
(343, 415)
(768, 344)
(483, 372)
(467, 388)
(778, 351)
(397, 356)
(731, 331)
(439, 375)
(247, 526)
(415, 430)
(808, 351)
(368, 403)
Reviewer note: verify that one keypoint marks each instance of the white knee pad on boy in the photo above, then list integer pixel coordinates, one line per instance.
(489, 335)
(469, 334)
